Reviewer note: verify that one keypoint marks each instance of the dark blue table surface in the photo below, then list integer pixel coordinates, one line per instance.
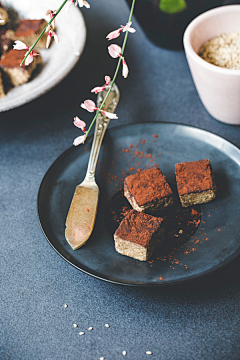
(197, 320)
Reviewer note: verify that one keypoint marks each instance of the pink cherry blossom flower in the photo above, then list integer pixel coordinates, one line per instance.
(115, 51)
(114, 34)
(79, 123)
(51, 14)
(51, 34)
(109, 115)
(19, 45)
(84, 3)
(79, 140)
(69, 4)
(128, 27)
(81, 3)
(107, 80)
(98, 89)
(124, 69)
(90, 106)
(30, 57)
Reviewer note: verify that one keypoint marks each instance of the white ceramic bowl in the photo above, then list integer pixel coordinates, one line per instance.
(218, 88)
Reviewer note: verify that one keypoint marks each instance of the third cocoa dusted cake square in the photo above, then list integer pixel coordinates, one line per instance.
(148, 190)
(139, 234)
(195, 182)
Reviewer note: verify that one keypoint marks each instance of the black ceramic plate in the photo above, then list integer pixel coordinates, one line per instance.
(125, 149)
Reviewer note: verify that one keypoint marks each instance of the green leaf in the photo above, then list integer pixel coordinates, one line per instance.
(172, 6)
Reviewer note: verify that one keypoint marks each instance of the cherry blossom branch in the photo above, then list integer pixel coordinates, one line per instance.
(82, 138)
(114, 50)
(48, 24)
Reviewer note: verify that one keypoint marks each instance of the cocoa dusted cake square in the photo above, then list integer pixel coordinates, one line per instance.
(148, 190)
(28, 31)
(139, 234)
(195, 182)
(14, 73)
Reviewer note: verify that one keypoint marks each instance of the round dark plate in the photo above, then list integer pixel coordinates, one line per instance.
(125, 149)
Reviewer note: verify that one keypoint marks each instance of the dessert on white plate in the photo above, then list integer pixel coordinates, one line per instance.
(57, 62)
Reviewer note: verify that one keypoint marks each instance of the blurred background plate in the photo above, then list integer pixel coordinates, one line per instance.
(58, 60)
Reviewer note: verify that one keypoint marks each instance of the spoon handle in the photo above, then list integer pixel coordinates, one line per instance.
(101, 126)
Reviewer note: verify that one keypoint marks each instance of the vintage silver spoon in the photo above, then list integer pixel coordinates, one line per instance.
(83, 209)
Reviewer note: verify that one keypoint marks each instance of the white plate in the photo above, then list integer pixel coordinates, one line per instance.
(59, 59)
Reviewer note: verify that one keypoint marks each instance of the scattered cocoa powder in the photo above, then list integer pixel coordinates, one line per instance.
(154, 184)
(176, 240)
(179, 221)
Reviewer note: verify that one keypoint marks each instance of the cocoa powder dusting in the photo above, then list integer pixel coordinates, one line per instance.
(194, 176)
(180, 225)
(139, 227)
(152, 181)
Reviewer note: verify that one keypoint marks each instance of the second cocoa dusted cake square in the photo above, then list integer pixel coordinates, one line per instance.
(148, 190)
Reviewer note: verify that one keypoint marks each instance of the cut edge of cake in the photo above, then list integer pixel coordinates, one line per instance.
(136, 250)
